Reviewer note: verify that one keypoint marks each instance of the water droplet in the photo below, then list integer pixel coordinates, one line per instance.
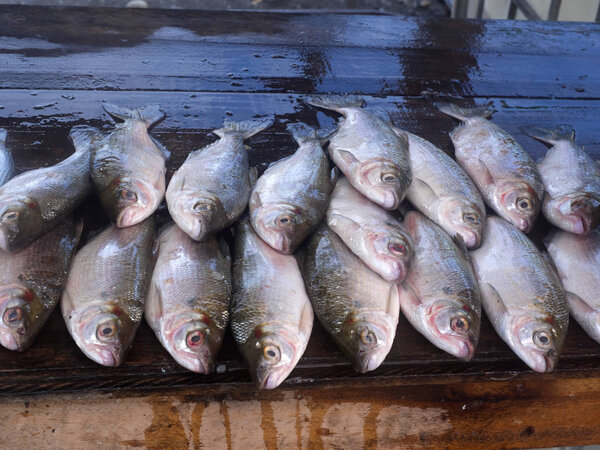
(235, 83)
(44, 106)
(68, 97)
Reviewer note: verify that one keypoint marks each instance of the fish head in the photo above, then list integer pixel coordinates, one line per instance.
(20, 219)
(199, 214)
(536, 340)
(271, 353)
(21, 310)
(281, 226)
(129, 201)
(578, 214)
(462, 218)
(452, 325)
(382, 181)
(391, 251)
(103, 333)
(519, 203)
(193, 341)
(366, 339)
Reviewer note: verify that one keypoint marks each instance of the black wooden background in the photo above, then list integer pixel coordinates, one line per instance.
(57, 65)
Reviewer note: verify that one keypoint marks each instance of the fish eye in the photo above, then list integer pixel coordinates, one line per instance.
(389, 178)
(201, 207)
(10, 215)
(106, 331)
(272, 353)
(194, 339)
(368, 337)
(129, 195)
(13, 315)
(285, 219)
(460, 324)
(471, 218)
(524, 203)
(397, 249)
(542, 339)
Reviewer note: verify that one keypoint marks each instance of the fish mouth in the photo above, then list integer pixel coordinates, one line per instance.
(471, 238)
(198, 216)
(271, 379)
(133, 212)
(522, 224)
(195, 364)
(541, 362)
(443, 330)
(4, 245)
(366, 362)
(103, 357)
(370, 344)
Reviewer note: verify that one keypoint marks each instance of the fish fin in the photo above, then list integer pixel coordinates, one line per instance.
(153, 309)
(484, 176)
(334, 175)
(403, 138)
(82, 137)
(550, 135)
(66, 305)
(550, 263)
(494, 305)
(162, 148)
(149, 114)
(576, 302)
(253, 176)
(302, 132)
(224, 248)
(383, 115)
(307, 318)
(461, 246)
(255, 197)
(3, 134)
(425, 194)
(346, 156)
(408, 298)
(464, 114)
(337, 103)
(247, 128)
(393, 303)
(341, 222)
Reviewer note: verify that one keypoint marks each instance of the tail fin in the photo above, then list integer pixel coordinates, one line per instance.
(3, 133)
(82, 137)
(150, 114)
(247, 128)
(336, 102)
(303, 133)
(551, 135)
(463, 114)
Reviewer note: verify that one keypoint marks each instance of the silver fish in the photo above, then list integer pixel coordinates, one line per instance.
(440, 296)
(31, 283)
(210, 190)
(271, 315)
(7, 166)
(290, 199)
(128, 165)
(188, 300)
(34, 202)
(571, 179)
(442, 191)
(366, 149)
(103, 301)
(372, 233)
(355, 305)
(521, 295)
(504, 173)
(577, 259)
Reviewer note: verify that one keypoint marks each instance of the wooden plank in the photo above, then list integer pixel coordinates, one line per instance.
(295, 53)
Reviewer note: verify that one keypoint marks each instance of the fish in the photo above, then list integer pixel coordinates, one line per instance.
(103, 301)
(188, 299)
(571, 180)
(370, 232)
(271, 315)
(210, 191)
(442, 191)
(35, 201)
(502, 170)
(577, 260)
(357, 307)
(7, 165)
(128, 165)
(290, 199)
(521, 294)
(365, 148)
(440, 296)
(31, 283)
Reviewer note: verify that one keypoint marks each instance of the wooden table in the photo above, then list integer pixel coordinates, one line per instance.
(56, 67)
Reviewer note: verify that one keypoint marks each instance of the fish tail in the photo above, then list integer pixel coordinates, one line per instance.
(304, 133)
(550, 135)
(336, 102)
(463, 114)
(82, 137)
(3, 134)
(247, 128)
(149, 114)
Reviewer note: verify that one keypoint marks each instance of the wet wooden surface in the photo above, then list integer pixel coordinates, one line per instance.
(58, 65)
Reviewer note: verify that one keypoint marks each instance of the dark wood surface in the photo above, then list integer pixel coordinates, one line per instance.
(57, 66)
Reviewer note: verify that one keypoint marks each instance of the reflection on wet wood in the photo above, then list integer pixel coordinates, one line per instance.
(56, 67)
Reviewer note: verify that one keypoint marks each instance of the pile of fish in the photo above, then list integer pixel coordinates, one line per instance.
(312, 240)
